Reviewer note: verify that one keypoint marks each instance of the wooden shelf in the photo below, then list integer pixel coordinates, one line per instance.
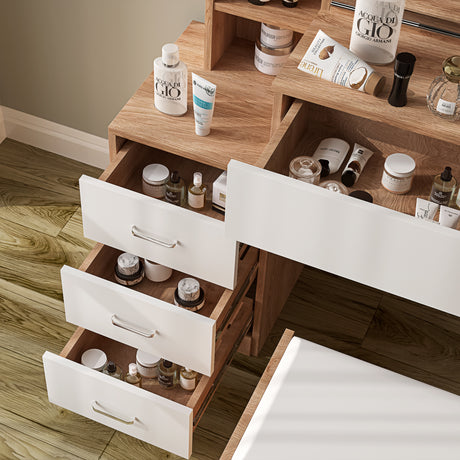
(274, 13)
(429, 48)
(242, 115)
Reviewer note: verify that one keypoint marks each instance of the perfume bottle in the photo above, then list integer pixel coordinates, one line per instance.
(167, 374)
(197, 192)
(187, 379)
(443, 187)
(113, 370)
(404, 66)
(443, 97)
(133, 377)
(170, 81)
(175, 190)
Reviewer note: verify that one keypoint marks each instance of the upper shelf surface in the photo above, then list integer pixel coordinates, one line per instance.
(242, 115)
(430, 50)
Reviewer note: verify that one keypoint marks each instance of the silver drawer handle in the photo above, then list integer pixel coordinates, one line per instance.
(132, 328)
(98, 408)
(153, 239)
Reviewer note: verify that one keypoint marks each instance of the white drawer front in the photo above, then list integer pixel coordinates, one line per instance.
(144, 322)
(202, 249)
(129, 409)
(364, 242)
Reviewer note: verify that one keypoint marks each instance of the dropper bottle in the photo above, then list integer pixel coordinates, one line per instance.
(443, 187)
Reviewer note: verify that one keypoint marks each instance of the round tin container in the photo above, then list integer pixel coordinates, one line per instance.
(274, 37)
(270, 60)
(129, 270)
(306, 169)
(189, 294)
(147, 364)
(94, 359)
(154, 178)
(398, 173)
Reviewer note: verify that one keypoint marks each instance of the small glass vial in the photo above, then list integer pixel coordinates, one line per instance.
(398, 173)
(113, 370)
(147, 364)
(175, 189)
(189, 294)
(197, 192)
(187, 379)
(443, 187)
(167, 374)
(306, 169)
(133, 377)
(443, 97)
(129, 270)
(154, 178)
(94, 359)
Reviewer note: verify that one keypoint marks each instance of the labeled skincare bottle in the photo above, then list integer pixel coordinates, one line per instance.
(113, 370)
(166, 374)
(376, 28)
(187, 379)
(133, 377)
(170, 81)
(443, 187)
(197, 192)
(330, 153)
(175, 190)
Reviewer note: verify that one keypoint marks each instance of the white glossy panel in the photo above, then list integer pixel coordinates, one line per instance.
(155, 420)
(324, 405)
(181, 336)
(364, 242)
(203, 249)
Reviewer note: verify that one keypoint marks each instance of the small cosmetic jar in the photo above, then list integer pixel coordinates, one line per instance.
(147, 364)
(270, 60)
(94, 359)
(398, 173)
(219, 193)
(274, 37)
(189, 294)
(154, 178)
(334, 186)
(156, 272)
(306, 169)
(362, 195)
(129, 270)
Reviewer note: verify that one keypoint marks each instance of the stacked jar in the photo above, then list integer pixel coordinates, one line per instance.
(273, 49)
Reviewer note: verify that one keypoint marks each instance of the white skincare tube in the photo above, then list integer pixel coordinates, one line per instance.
(204, 95)
(425, 209)
(448, 217)
(329, 60)
(355, 165)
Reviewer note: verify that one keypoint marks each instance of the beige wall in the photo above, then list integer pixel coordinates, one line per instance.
(76, 62)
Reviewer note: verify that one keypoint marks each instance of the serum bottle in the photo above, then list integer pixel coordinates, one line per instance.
(133, 377)
(175, 190)
(170, 81)
(187, 379)
(443, 187)
(197, 192)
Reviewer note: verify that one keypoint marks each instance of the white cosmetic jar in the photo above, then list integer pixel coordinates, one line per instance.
(274, 37)
(147, 364)
(398, 173)
(154, 178)
(94, 359)
(156, 272)
(270, 60)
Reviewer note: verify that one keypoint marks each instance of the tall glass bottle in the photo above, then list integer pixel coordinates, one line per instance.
(170, 81)
(197, 192)
(175, 189)
(167, 374)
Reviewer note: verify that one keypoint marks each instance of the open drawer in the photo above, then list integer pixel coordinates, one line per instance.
(116, 212)
(382, 244)
(144, 316)
(164, 418)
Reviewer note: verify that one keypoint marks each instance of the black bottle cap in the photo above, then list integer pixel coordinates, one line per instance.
(325, 171)
(404, 64)
(111, 367)
(175, 178)
(348, 178)
(362, 195)
(446, 175)
(258, 2)
(167, 364)
(290, 4)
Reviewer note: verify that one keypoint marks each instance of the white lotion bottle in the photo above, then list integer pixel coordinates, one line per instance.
(376, 28)
(170, 81)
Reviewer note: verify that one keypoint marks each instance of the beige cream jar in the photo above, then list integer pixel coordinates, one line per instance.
(270, 60)
(398, 173)
(154, 178)
(274, 37)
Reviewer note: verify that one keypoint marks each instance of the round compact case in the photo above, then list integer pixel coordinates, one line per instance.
(189, 294)
(129, 270)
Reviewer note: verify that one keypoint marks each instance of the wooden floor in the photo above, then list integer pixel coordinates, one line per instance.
(41, 229)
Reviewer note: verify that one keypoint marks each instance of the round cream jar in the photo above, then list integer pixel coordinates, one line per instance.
(189, 294)
(270, 60)
(306, 169)
(274, 37)
(154, 178)
(94, 359)
(156, 272)
(147, 364)
(398, 173)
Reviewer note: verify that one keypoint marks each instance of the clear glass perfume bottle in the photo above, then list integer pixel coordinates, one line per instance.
(443, 187)
(188, 379)
(113, 370)
(175, 189)
(133, 377)
(197, 192)
(167, 374)
(443, 97)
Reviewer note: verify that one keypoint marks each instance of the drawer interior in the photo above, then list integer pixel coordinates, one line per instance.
(126, 171)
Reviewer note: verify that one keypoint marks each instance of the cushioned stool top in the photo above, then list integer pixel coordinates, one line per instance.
(324, 405)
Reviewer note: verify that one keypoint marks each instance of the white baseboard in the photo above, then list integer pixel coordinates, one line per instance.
(47, 135)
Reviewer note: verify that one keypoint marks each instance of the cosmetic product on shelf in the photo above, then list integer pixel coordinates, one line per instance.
(129, 270)
(306, 169)
(175, 189)
(398, 173)
(404, 66)
(258, 2)
(189, 294)
(219, 193)
(376, 27)
(358, 159)
(94, 359)
(197, 192)
(156, 272)
(330, 153)
(448, 217)
(334, 186)
(167, 374)
(362, 195)
(154, 178)
(443, 95)
(275, 37)
(133, 377)
(147, 364)
(290, 3)
(204, 98)
(443, 187)
(270, 60)
(113, 370)
(170, 81)
(425, 210)
(187, 379)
